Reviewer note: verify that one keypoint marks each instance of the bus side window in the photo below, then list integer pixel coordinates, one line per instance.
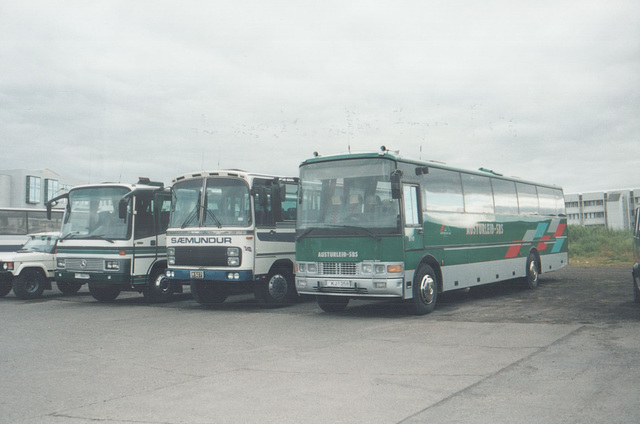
(478, 197)
(505, 197)
(443, 191)
(527, 198)
(411, 206)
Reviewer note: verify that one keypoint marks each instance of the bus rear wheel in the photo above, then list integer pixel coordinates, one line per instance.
(533, 271)
(103, 293)
(332, 303)
(425, 291)
(208, 293)
(29, 284)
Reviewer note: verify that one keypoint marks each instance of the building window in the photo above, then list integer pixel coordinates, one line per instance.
(33, 189)
(51, 187)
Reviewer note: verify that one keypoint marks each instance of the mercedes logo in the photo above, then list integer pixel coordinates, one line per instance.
(83, 263)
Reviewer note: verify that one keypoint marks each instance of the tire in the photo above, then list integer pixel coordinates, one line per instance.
(332, 303)
(425, 291)
(5, 287)
(208, 293)
(68, 287)
(278, 290)
(636, 289)
(532, 271)
(29, 284)
(160, 289)
(103, 293)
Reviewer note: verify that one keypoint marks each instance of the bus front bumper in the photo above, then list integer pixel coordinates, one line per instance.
(187, 275)
(356, 287)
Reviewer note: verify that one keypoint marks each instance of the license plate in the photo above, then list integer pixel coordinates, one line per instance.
(82, 276)
(337, 283)
(196, 274)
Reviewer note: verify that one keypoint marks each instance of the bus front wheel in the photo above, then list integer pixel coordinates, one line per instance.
(279, 288)
(68, 287)
(103, 293)
(332, 303)
(208, 293)
(160, 289)
(425, 291)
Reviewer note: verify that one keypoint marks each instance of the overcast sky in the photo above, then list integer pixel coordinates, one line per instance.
(112, 90)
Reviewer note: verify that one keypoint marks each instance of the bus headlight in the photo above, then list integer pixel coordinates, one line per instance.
(302, 268)
(367, 268)
(233, 251)
(380, 269)
(112, 265)
(233, 261)
(312, 268)
(61, 263)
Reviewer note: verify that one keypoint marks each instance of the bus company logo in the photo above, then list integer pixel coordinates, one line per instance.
(445, 230)
(337, 254)
(485, 229)
(200, 240)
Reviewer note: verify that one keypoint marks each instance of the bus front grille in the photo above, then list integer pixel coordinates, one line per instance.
(338, 268)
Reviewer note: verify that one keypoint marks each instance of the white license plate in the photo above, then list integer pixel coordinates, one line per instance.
(82, 276)
(337, 283)
(196, 274)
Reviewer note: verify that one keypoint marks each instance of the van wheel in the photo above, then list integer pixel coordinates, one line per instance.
(68, 287)
(103, 293)
(332, 303)
(208, 293)
(160, 289)
(5, 287)
(425, 291)
(279, 288)
(532, 271)
(29, 284)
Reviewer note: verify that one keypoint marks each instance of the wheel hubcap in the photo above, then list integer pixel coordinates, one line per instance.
(278, 287)
(427, 289)
(533, 271)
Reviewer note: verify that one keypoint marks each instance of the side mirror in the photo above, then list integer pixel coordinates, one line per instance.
(396, 185)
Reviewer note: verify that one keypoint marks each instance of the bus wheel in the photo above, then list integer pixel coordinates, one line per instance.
(5, 287)
(332, 303)
(68, 287)
(532, 271)
(278, 290)
(103, 293)
(160, 289)
(208, 293)
(29, 284)
(425, 291)
(636, 288)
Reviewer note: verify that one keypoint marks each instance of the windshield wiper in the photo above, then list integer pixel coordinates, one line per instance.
(215, 219)
(361, 229)
(306, 232)
(192, 215)
(101, 237)
(68, 235)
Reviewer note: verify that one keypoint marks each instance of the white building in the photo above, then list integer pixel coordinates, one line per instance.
(612, 209)
(22, 188)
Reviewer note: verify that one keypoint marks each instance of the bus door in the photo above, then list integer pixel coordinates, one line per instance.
(145, 243)
(413, 232)
(636, 237)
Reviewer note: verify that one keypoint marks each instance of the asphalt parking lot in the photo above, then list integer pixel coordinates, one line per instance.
(568, 352)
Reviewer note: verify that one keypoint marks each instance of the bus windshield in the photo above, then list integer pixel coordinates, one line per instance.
(92, 213)
(347, 194)
(226, 203)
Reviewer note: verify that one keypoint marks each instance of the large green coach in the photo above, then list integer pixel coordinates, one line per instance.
(379, 226)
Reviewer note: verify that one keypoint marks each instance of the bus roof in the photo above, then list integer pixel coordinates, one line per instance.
(395, 156)
(237, 173)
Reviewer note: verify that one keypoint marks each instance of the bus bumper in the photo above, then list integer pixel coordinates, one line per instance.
(354, 287)
(188, 275)
(88, 277)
